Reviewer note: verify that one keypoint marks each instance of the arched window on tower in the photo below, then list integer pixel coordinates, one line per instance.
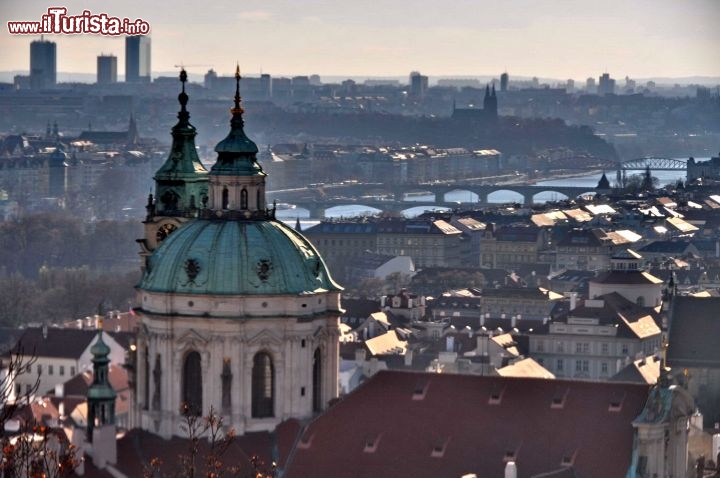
(192, 384)
(317, 399)
(258, 199)
(225, 198)
(146, 382)
(263, 386)
(243, 199)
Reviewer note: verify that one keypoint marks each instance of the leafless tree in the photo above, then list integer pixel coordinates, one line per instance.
(32, 449)
(206, 461)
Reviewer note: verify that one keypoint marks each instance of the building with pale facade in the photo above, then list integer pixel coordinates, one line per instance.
(238, 310)
(59, 355)
(598, 337)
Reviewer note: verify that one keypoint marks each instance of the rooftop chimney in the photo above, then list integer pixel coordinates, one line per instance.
(510, 470)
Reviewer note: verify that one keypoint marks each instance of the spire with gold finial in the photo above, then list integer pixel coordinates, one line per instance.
(236, 142)
(237, 109)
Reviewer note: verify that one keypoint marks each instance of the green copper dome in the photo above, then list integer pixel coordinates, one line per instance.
(241, 257)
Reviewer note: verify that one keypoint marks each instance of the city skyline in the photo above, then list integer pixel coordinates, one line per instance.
(524, 37)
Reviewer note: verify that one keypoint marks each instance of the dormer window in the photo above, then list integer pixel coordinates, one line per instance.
(439, 447)
(420, 389)
(496, 395)
(616, 402)
(371, 443)
(558, 400)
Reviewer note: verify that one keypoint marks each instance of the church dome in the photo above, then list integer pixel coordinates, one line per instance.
(240, 257)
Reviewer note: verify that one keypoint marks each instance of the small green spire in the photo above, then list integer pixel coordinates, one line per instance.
(237, 109)
(183, 176)
(100, 395)
(237, 153)
(183, 115)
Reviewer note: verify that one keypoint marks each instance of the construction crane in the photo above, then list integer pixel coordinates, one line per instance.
(192, 66)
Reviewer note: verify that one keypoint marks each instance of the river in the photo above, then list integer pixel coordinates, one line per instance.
(499, 197)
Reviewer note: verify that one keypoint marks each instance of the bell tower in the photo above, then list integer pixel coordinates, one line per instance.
(100, 433)
(237, 181)
(181, 183)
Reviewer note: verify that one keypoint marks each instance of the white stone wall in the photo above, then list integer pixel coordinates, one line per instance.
(291, 341)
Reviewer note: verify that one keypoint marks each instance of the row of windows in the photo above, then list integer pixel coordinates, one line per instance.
(582, 347)
(344, 242)
(262, 385)
(51, 370)
(243, 198)
(581, 366)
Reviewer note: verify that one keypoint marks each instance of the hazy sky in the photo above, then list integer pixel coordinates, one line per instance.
(546, 38)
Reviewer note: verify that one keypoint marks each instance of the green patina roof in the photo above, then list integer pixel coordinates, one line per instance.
(100, 349)
(183, 162)
(237, 141)
(237, 153)
(236, 258)
(100, 389)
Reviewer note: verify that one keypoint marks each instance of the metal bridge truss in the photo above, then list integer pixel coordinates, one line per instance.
(656, 164)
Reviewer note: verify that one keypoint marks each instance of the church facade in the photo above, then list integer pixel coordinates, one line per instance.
(239, 312)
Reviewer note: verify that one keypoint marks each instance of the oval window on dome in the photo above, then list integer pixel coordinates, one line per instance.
(263, 269)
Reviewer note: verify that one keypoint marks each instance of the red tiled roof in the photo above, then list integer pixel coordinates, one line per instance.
(137, 447)
(626, 277)
(430, 425)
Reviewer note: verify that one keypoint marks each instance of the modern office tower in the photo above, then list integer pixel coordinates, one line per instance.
(210, 79)
(418, 85)
(281, 88)
(301, 88)
(590, 85)
(504, 79)
(137, 59)
(43, 64)
(266, 85)
(606, 85)
(106, 69)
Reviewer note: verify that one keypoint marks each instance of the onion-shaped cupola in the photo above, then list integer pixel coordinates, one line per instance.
(181, 183)
(237, 181)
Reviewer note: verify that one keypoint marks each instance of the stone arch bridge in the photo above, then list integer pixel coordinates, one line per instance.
(393, 198)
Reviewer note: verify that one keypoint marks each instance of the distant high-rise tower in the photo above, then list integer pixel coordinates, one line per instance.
(590, 85)
(490, 105)
(43, 64)
(210, 79)
(418, 85)
(504, 79)
(137, 59)
(106, 69)
(606, 85)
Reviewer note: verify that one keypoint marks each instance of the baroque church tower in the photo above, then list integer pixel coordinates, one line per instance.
(238, 310)
(181, 183)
